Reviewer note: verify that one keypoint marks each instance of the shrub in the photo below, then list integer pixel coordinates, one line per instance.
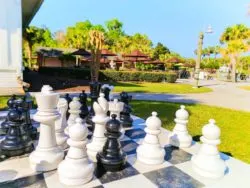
(110, 75)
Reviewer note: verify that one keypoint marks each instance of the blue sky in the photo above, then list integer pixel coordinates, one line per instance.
(175, 23)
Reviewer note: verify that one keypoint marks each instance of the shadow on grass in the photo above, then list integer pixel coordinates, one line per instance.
(123, 84)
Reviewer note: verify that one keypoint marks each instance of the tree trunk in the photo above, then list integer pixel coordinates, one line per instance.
(95, 65)
(233, 63)
(29, 54)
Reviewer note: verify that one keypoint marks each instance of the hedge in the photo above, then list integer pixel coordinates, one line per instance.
(110, 75)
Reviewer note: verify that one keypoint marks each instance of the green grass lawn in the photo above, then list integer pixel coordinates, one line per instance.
(234, 125)
(3, 101)
(245, 87)
(146, 87)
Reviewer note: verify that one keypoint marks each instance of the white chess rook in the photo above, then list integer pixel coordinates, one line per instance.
(207, 162)
(100, 119)
(116, 107)
(74, 110)
(61, 124)
(180, 136)
(76, 169)
(150, 152)
(47, 154)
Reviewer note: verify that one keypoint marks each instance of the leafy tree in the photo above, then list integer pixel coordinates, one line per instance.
(77, 35)
(114, 34)
(159, 50)
(34, 36)
(235, 40)
(141, 42)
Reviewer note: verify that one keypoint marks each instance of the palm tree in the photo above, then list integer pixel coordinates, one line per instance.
(236, 40)
(95, 43)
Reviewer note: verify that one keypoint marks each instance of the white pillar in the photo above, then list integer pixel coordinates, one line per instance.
(11, 43)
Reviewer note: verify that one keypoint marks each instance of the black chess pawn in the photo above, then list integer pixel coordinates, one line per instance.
(112, 158)
(84, 108)
(25, 106)
(17, 141)
(94, 94)
(4, 125)
(125, 116)
(68, 99)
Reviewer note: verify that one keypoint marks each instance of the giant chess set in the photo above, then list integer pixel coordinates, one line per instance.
(65, 143)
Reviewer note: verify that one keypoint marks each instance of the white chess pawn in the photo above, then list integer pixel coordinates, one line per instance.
(61, 124)
(180, 136)
(47, 154)
(76, 169)
(207, 162)
(74, 110)
(150, 152)
(100, 119)
(116, 107)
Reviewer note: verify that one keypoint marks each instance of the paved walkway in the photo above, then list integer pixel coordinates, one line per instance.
(224, 94)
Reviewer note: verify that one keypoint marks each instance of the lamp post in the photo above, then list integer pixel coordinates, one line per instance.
(199, 52)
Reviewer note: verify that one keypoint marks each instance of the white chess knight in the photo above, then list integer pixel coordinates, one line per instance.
(100, 119)
(180, 136)
(150, 152)
(207, 162)
(61, 124)
(47, 154)
(76, 169)
(115, 107)
(74, 111)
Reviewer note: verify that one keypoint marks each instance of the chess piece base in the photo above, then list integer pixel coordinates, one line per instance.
(181, 141)
(151, 155)
(111, 164)
(81, 171)
(94, 147)
(209, 166)
(11, 152)
(46, 159)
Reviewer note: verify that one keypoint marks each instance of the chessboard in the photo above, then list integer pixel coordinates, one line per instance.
(175, 172)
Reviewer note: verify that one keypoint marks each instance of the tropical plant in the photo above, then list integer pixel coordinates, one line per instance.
(235, 40)
(95, 44)
(160, 49)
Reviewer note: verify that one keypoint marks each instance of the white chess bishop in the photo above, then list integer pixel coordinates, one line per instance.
(150, 152)
(76, 169)
(100, 119)
(47, 154)
(207, 162)
(115, 107)
(180, 137)
(74, 111)
(61, 124)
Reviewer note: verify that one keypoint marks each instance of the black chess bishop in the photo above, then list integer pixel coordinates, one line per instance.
(111, 158)
(4, 125)
(84, 108)
(125, 116)
(68, 99)
(17, 141)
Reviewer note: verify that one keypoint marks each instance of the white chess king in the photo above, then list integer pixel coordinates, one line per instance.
(61, 124)
(207, 162)
(47, 154)
(180, 137)
(150, 152)
(76, 169)
(100, 119)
